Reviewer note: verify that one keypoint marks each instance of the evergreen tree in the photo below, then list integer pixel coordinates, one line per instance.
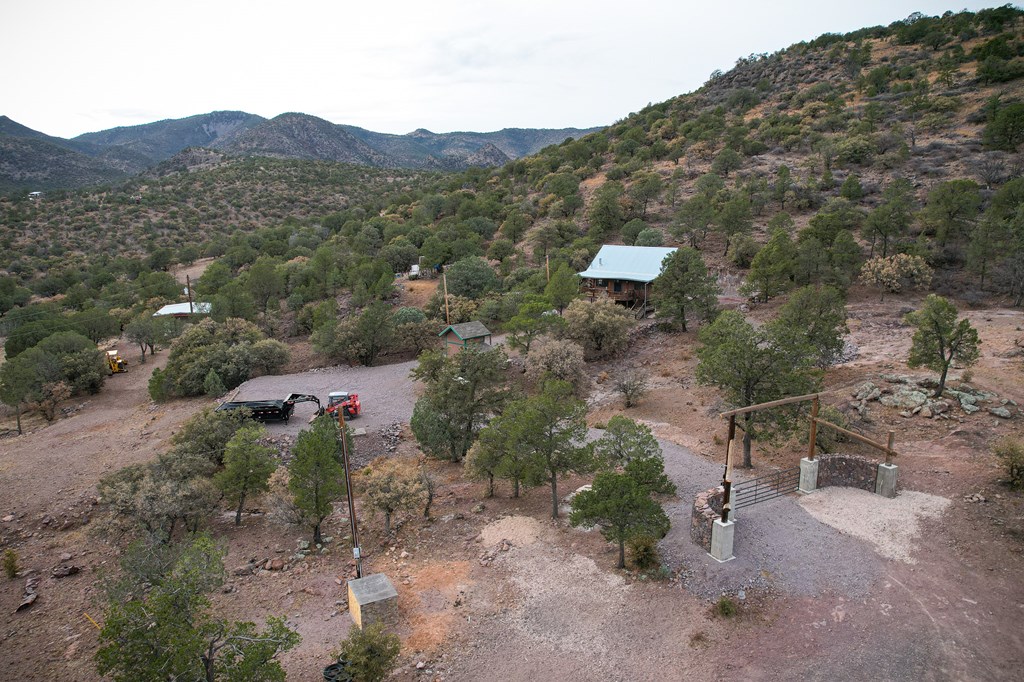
(621, 507)
(940, 339)
(563, 287)
(552, 425)
(685, 285)
(247, 467)
(315, 476)
(754, 366)
(773, 269)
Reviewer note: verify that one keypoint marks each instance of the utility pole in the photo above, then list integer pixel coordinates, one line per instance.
(447, 316)
(356, 551)
(188, 289)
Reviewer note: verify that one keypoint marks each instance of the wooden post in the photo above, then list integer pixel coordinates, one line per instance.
(814, 429)
(727, 476)
(447, 316)
(188, 288)
(888, 453)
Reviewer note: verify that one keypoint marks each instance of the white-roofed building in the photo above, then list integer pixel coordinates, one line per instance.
(624, 273)
(183, 309)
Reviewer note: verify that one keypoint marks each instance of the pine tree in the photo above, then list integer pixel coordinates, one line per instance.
(247, 467)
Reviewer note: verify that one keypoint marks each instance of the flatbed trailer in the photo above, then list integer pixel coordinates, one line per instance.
(272, 410)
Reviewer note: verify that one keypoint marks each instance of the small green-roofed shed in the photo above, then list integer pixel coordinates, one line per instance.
(459, 336)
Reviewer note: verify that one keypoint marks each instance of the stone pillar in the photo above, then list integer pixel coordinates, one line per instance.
(373, 599)
(885, 482)
(721, 540)
(808, 475)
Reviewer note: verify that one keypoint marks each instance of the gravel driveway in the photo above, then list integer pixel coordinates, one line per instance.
(777, 543)
(386, 392)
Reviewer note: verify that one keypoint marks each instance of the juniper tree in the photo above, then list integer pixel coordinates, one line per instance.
(940, 339)
(247, 467)
(621, 507)
(684, 286)
(753, 366)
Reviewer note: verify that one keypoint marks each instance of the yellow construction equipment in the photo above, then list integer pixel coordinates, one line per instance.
(116, 363)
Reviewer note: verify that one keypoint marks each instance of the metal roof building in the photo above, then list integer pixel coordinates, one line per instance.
(627, 263)
(182, 310)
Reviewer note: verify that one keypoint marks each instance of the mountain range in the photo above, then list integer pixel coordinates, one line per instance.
(31, 160)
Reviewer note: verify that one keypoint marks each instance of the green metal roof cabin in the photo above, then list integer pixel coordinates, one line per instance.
(459, 336)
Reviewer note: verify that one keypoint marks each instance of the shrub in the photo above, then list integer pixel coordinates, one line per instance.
(558, 359)
(894, 273)
(633, 385)
(235, 350)
(644, 551)
(390, 486)
(1010, 453)
(10, 564)
(601, 327)
(371, 652)
(827, 438)
(726, 607)
(742, 250)
(649, 237)
(212, 384)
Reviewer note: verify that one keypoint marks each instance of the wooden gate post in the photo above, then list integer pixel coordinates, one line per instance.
(812, 446)
(727, 474)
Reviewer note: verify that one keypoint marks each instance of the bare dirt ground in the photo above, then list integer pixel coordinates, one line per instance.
(493, 589)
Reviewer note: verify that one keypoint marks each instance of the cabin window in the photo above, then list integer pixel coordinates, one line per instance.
(618, 286)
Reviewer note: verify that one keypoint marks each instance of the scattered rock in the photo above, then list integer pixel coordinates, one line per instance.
(66, 556)
(867, 391)
(1000, 412)
(969, 408)
(479, 508)
(303, 544)
(64, 570)
(276, 565)
(976, 497)
(8, 518)
(905, 398)
(925, 412)
(30, 595)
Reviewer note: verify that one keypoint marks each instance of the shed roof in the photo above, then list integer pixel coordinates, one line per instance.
(183, 309)
(467, 330)
(631, 263)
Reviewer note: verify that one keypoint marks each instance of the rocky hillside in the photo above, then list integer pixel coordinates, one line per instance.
(155, 142)
(35, 161)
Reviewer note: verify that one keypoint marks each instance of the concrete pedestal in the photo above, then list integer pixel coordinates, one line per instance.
(721, 540)
(808, 475)
(373, 599)
(885, 481)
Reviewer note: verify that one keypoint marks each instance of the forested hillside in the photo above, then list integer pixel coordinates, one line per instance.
(898, 140)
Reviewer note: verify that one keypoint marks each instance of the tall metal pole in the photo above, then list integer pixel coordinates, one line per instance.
(356, 551)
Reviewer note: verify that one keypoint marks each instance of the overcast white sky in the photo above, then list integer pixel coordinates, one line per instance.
(76, 66)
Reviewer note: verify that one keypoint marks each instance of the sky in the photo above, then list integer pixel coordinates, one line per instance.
(391, 65)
